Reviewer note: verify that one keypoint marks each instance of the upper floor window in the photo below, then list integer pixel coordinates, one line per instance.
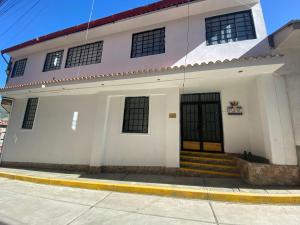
(136, 115)
(85, 54)
(148, 43)
(232, 27)
(30, 113)
(19, 68)
(53, 60)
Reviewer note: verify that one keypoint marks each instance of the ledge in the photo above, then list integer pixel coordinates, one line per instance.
(268, 174)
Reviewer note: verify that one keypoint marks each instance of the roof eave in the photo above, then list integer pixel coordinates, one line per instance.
(140, 11)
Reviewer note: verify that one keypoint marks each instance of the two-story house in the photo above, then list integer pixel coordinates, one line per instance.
(134, 89)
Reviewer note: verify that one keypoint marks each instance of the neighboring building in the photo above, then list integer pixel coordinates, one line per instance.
(4, 117)
(149, 82)
(3, 127)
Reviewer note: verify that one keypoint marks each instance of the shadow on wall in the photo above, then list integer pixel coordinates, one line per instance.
(262, 47)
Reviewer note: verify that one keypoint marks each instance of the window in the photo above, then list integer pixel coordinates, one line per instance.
(148, 43)
(30, 113)
(85, 54)
(233, 27)
(136, 115)
(53, 61)
(19, 68)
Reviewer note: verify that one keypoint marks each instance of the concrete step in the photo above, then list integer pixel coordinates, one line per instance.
(208, 160)
(209, 166)
(207, 173)
(206, 154)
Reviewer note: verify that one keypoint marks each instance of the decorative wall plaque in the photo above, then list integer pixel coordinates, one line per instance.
(172, 115)
(235, 108)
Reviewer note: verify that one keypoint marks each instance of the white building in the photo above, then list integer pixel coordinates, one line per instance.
(138, 87)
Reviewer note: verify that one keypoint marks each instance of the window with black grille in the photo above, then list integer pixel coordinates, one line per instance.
(232, 27)
(53, 61)
(148, 43)
(136, 115)
(19, 68)
(84, 54)
(30, 113)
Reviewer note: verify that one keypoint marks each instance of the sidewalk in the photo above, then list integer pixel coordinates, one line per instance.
(190, 187)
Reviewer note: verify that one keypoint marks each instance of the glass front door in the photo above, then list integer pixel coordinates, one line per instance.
(201, 122)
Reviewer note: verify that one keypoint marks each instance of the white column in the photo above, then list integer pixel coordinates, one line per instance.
(276, 118)
(173, 129)
(100, 127)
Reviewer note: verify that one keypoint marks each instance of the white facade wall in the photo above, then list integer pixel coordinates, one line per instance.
(52, 139)
(292, 80)
(98, 139)
(267, 128)
(276, 120)
(117, 49)
(293, 83)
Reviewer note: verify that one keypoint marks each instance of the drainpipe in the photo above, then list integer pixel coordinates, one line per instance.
(8, 69)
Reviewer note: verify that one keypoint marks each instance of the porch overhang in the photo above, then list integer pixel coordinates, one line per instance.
(149, 78)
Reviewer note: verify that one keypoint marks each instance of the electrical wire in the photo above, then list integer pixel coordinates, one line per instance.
(87, 31)
(2, 2)
(9, 6)
(21, 17)
(18, 33)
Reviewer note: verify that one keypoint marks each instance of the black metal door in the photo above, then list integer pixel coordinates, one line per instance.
(201, 122)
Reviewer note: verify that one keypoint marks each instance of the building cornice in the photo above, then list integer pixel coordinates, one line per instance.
(134, 74)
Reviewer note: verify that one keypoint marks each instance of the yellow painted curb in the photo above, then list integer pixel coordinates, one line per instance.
(228, 174)
(163, 191)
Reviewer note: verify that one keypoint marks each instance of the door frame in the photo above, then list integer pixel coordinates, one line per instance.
(199, 103)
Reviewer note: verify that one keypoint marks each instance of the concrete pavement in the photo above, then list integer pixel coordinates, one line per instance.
(28, 203)
(210, 184)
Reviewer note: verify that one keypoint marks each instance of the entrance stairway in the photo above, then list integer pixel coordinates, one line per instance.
(208, 164)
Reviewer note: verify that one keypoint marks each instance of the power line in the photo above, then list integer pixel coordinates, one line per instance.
(27, 25)
(87, 30)
(2, 2)
(9, 6)
(21, 17)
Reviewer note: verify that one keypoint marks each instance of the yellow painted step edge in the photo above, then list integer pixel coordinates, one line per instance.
(205, 153)
(164, 191)
(208, 165)
(211, 172)
(206, 158)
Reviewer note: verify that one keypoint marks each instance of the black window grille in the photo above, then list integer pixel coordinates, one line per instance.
(19, 68)
(232, 27)
(148, 43)
(53, 60)
(85, 54)
(136, 115)
(30, 113)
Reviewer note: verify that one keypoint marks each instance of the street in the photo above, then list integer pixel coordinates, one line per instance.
(27, 203)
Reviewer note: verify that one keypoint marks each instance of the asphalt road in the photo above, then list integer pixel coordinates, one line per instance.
(26, 203)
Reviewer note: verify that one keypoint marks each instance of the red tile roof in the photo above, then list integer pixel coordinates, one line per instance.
(100, 22)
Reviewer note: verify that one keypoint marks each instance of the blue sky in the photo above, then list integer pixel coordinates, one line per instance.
(22, 23)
